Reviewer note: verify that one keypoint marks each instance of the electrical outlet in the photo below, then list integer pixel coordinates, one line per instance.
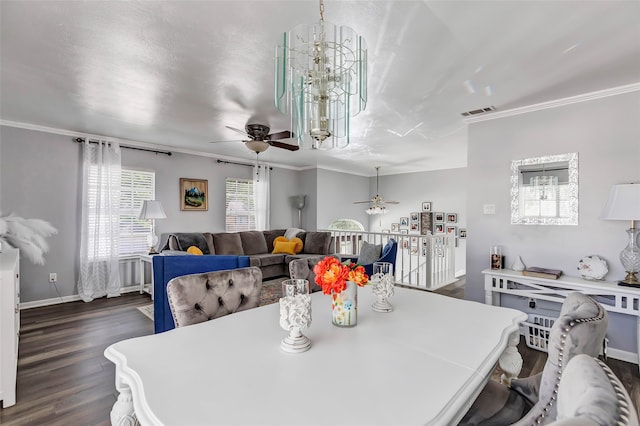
(53, 277)
(532, 303)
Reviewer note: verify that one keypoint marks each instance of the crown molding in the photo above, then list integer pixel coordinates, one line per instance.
(137, 144)
(614, 91)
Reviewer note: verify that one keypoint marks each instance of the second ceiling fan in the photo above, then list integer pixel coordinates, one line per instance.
(377, 202)
(260, 139)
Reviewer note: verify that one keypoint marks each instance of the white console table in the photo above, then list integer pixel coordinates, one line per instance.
(613, 298)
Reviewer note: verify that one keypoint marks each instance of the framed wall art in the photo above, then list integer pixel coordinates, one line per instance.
(439, 228)
(194, 194)
(462, 232)
(452, 230)
(438, 217)
(395, 227)
(452, 217)
(414, 217)
(404, 231)
(426, 206)
(426, 223)
(404, 221)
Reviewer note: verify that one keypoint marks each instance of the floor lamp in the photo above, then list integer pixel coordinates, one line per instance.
(624, 204)
(298, 201)
(152, 210)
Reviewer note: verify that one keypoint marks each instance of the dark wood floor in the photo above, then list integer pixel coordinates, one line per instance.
(64, 378)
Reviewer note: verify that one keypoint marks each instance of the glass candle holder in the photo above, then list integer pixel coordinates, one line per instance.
(295, 315)
(496, 257)
(382, 284)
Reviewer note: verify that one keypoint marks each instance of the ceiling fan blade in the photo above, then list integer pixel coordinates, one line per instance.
(280, 135)
(284, 145)
(391, 202)
(362, 202)
(235, 140)
(238, 130)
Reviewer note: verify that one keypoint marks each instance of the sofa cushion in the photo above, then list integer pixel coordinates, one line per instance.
(228, 243)
(268, 259)
(369, 253)
(316, 243)
(287, 247)
(183, 240)
(253, 242)
(299, 244)
(292, 232)
(269, 236)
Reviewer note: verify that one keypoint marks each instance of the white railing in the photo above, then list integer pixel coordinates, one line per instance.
(423, 261)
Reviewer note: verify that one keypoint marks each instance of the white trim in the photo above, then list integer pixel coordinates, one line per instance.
(626, 356)
(634, 87)
(136, 144)
(65, 299)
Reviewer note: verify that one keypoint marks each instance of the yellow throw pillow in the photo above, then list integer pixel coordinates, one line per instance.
(299, 244)
(280, 238)
(284, 247)
(194, 250)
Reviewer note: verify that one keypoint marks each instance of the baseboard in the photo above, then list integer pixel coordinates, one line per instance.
(621, 355)
(66, 299)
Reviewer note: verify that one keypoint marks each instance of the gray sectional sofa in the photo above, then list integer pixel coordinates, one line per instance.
(258, 245)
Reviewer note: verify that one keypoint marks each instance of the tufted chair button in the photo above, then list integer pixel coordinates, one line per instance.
(230, 282)
(220, 301)
(197, 307)
(207, 285)
(241, 298)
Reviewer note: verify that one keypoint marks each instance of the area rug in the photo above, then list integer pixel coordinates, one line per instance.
(271, 293)
(147, 310)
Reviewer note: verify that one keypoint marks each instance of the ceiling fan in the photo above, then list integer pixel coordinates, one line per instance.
(260, 139)
(377, 202)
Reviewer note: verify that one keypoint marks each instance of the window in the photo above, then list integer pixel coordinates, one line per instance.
(240, 212)
(136, 186)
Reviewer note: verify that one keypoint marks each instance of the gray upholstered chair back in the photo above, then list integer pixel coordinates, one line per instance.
(303, 269)
(590, 394)
(200, 297)
(580, 329)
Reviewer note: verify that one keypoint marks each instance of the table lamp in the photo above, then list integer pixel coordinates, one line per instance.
(624, 204)
(152, 209)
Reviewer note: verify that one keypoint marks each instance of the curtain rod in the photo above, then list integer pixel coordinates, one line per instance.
(80, 140)
(238, 164)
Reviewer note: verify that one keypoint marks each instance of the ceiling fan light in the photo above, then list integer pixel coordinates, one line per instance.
(373, 210)
(321, 81)
(257, 146)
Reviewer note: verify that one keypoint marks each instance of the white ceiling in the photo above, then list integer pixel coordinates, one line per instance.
(175, 73)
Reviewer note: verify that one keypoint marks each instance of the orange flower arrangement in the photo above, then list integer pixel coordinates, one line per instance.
(332, 275)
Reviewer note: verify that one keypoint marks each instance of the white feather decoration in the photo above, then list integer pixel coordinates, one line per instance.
(28, 235)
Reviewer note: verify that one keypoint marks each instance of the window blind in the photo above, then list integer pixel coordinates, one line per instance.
(240, 212)
(136, 186)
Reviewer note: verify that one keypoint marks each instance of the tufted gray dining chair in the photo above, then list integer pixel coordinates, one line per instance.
(590, 394)
(201, 297)
(580, 329)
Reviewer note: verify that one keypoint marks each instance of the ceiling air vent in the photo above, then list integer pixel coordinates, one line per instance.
(478, 111)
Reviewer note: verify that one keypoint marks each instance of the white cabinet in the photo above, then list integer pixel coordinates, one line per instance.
(9, 324)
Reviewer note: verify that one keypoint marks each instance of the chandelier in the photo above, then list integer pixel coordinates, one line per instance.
(321, 81)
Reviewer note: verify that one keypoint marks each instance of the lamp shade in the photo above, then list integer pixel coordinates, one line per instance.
(623, 203)
(152, 209)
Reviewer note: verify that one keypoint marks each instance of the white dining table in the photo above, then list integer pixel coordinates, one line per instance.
(422, 363)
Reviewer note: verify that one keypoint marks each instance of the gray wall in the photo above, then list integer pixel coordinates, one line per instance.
(336, 194)
(445, 189)
(40, 178)
(308, 186)
(606, 134)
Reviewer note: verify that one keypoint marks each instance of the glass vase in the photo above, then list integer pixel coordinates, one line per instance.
(344, 306)
(382, 282)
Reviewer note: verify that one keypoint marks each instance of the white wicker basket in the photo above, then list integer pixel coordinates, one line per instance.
(537, 331)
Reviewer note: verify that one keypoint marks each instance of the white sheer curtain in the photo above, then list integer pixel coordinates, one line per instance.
(261, 196)
(99, 269)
